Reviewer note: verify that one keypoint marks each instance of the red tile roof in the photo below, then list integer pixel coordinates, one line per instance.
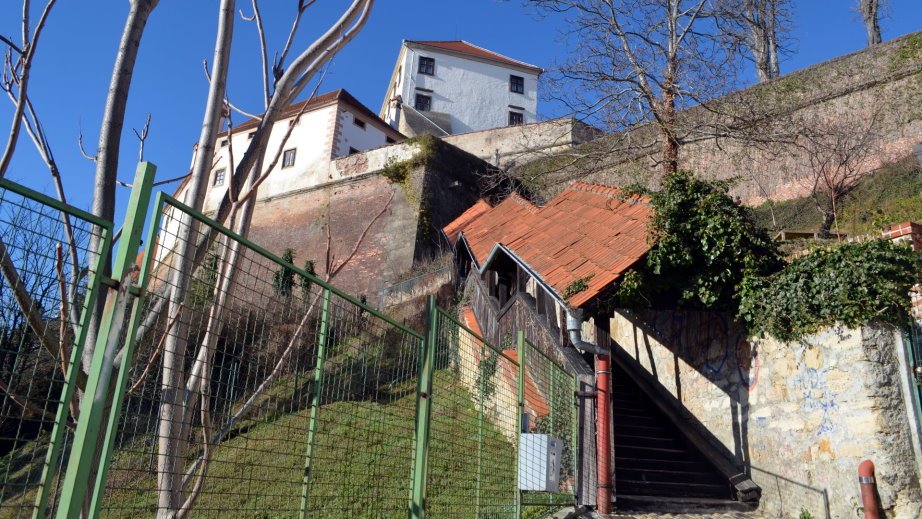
(587, 231)
(451, 230)
(463, 47)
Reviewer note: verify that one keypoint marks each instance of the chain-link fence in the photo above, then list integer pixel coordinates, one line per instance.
(229, 383)
(549, 483)
(48, 278)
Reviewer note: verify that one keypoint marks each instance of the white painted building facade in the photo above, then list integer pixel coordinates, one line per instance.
(332, 126)
(453, 87)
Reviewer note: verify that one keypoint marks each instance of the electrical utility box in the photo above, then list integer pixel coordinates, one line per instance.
(539, 462)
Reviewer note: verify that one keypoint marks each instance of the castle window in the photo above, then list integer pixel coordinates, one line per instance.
(353, 151)
(516, 118)
(427, 66)
(390, 140)
(423, 103)
(288, 158)
(219, 177)
(358, 122)
(223, 143)
(517, 84)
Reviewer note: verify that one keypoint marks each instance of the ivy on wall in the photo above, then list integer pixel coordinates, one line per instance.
(850, 284)
(709, 254)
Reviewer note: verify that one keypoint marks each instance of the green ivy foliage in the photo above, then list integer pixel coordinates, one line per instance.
(284, 278)
(706, 245)
(851, 284)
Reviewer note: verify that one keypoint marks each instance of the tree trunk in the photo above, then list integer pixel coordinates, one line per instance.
(670, 143)
(173, 427)
(829, 217)
(870, 15)
(110, 134)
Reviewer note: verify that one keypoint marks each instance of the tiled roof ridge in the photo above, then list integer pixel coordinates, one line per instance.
(494, 55)
(610, 191)
(521, 200)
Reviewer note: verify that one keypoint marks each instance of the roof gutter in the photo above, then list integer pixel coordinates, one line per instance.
(575, 332)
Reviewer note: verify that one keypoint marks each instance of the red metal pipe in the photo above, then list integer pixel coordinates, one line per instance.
(868, 489)
(603, 436)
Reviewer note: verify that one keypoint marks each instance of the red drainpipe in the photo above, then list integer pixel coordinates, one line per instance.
(603, 437)
(868, 489)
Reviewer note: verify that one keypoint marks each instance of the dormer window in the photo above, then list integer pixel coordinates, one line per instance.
(427, 66)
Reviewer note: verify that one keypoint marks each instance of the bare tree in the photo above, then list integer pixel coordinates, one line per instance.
(638, 61)
(186, 391)
(758, 28)
(870, 14)
(284, 85)
(840, 152)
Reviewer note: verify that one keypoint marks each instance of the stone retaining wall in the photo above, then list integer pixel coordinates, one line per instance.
(800, 416)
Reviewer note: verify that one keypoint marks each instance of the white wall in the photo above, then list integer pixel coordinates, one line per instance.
(476, 93)
(353, 136)
(311, 138)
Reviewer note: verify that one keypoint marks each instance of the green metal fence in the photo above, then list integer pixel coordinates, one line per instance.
(49, 278)
(266, 393)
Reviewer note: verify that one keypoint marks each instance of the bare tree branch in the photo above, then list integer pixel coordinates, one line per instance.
(142, 136)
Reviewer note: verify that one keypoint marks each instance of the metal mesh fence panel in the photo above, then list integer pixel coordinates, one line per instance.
(48, 276)
(550, 405)
(269, 395)
(474, 426)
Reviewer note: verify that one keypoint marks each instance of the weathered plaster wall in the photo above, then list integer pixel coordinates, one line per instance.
(504, 147)
(800, 416)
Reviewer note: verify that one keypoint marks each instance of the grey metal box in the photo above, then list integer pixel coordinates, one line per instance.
(539, 462)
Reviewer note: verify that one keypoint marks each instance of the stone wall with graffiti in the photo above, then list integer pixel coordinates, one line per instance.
(799, 416)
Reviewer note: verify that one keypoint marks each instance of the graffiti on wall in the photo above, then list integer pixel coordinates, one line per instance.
(817, 396)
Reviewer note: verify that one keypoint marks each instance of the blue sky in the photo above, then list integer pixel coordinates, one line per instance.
(71, 75)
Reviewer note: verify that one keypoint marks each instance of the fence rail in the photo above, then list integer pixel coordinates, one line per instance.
(246, 387)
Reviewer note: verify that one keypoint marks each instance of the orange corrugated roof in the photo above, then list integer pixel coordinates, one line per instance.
(588, 230)
(463, 47)
(454, 228)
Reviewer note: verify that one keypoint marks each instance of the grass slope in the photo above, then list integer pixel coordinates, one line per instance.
(890, 195)
(362, 465)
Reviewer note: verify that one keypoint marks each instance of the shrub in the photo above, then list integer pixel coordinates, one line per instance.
(852, 284)
(706, 244)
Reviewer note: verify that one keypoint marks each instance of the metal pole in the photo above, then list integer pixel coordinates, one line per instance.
(67, 392)
(93, 405)
(603, 424)
(315, 398)
(520, 411)
(480, 427)
(137, 309)
(423, 412)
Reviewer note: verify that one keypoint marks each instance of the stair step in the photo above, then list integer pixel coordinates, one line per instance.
(636, 429)
(634, 503)
(682, 489)
(671, 464)
(625, 440)
(669, 476)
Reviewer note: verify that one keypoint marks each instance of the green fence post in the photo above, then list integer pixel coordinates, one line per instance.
(483, 358)
(520, 412)
(121, 381)
(93, 405)
(423, 412)
(315, 398)
(67, 392)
